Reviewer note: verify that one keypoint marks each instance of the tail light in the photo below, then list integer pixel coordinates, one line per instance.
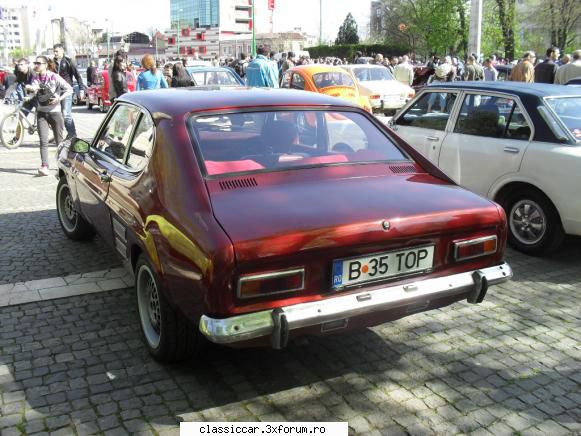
(277, 282)
(374, 97)
(411, 94)
(477, 247)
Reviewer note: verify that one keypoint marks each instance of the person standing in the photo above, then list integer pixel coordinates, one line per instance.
(66, 68)
(119, 77)
(490, 73)
(473, 70)
(524, 71)
(51, 90)
(261, 71)
(23, 74)
(91, 74)
(546, 70)
(151, 78)
(571, 70)
(180, 76)
(404, 72)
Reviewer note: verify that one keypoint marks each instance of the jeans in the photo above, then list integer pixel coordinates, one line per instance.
(54, 121)
(66, 108)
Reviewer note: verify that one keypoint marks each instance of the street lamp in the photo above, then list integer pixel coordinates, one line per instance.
(178, 35)
(253, 32)
(108, 39)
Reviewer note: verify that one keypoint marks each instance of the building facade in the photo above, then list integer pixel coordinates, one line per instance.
(14, 30)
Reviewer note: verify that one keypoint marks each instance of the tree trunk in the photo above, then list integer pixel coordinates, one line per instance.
(553, 25)
(506, 18)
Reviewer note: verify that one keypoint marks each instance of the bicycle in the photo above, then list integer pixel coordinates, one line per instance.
(13, 125)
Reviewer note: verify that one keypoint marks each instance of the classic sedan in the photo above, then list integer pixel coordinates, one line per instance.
(375, 82)
(325, 79)
(516, 143)
(251, 216)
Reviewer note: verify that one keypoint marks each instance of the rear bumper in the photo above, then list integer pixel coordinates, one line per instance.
(277, 323)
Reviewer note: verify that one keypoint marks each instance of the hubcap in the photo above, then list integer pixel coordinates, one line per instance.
(149, 307)
(528, 222)
(66, 209)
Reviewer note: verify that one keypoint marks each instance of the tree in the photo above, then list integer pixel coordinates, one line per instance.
(563, 17)
(506, 19)
(348, 31)
(18, 53)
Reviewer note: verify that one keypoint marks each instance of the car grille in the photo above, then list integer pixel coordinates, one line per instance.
(403, 169)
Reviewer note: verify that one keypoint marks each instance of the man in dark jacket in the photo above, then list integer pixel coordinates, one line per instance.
(546, 70)
(67, 69)
(91, 73)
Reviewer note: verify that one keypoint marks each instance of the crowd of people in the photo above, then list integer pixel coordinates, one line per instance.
(50, 79)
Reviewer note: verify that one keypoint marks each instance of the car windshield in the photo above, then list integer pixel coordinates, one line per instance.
(335, 78)
(214, 78)
(274, 140)
(568, 109)
(369, 74)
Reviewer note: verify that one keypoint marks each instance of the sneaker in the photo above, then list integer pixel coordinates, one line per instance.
(43, 171)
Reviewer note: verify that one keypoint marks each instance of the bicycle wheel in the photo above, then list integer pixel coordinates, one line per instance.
(11, 131)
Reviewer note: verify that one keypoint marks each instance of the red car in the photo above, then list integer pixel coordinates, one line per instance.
(98, 93)
(252, 216)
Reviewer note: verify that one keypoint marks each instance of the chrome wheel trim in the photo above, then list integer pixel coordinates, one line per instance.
(66, 209)
(149, 306)
(528, 222)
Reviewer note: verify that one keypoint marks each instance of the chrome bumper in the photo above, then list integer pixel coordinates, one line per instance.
(277, 323)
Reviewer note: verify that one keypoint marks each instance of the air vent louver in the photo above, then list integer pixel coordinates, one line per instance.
(403, 169)
(248, 182)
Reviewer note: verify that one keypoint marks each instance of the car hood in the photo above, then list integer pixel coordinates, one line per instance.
(383, 87)
(344, 92)
(285, 214)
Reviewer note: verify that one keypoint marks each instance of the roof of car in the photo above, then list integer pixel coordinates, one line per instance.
(178, 101)
(517, 88)
(363, 66)
(318, 68)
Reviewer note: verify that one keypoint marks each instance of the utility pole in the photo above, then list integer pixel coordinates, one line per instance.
(253, 32)
(475, 33)
(178, 34)
(320, 22)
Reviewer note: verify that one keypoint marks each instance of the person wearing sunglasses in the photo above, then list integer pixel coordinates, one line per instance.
(51, 89)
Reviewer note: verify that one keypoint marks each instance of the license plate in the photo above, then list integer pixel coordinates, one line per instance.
(379, 266)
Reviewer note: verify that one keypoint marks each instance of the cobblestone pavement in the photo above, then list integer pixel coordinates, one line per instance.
(32, 244)
(511, 365)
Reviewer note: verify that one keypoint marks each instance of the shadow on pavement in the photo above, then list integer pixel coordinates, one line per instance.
(33, 246)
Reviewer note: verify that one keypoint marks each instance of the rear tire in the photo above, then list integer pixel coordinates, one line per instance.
(534, 225)
(72, 223)
(12, 131)
(167, 334)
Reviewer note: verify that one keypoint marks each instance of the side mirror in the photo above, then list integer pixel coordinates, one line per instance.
(79, 146)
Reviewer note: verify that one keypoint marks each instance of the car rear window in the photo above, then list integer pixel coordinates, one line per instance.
(568, 109)
(275, 140)
(202, 78)
(335, 78)
(369, 74)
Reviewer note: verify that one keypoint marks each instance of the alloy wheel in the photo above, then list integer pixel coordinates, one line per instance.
(149, 306)
(66, 209)
(528, 222)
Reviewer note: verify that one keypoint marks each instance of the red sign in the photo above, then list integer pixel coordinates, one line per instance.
(271, 5)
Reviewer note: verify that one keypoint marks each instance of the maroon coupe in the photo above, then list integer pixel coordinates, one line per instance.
(251, 216)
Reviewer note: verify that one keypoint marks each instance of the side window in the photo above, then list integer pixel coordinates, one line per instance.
(518, 127)
(484, 115)
(492, 117)
(117, 133)
(345, 136)
(142, 144)
(431, 111)
(298, 82)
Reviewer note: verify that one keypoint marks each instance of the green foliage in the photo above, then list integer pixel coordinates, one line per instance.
(492, 41)
(18, 53)
(348, 50)
(348, 31)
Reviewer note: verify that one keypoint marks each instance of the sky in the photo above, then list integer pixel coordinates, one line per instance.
(138, 15)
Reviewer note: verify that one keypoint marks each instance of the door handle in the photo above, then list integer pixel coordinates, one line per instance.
(432, 138)
(514, 150)
(105, 177)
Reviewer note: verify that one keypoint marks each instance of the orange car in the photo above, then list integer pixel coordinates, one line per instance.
(325, 79)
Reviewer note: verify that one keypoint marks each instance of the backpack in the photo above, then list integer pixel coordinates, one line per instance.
(240, 68)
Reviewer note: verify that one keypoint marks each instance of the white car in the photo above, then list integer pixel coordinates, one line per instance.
(375, 82)
(516, 143)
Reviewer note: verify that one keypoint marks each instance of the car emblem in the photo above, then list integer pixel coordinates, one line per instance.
(385, 224)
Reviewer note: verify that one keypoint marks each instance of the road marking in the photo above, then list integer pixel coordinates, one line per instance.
(61, 287)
